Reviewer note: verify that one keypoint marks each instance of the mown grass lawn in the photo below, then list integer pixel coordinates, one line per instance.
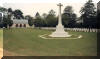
(26, 42)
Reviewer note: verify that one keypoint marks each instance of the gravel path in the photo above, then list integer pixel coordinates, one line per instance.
(1, 53)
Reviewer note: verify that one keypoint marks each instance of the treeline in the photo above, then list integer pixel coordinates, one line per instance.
(5, 21)
(88, 18)
(98, 15)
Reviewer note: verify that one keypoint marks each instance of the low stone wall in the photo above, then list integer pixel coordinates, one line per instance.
(74, 29)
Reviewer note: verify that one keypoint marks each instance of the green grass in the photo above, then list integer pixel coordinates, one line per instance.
(25, 42)
(1, 38)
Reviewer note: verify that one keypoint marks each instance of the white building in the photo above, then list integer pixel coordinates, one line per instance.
(20, 23)
(1, 16)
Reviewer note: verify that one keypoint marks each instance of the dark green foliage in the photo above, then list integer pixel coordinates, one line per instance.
(10, 10)
(48, 20)
(38, 22)
(1, 18)
(7, 21)
(98, 15)
(88, 15)
(30, 19)
(69, 17)
(2, 9)
(51, 19)
(18, 14)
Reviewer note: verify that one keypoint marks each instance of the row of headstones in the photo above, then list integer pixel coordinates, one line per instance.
(75, 29)
(83, 29)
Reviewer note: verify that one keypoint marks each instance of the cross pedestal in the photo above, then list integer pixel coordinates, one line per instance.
(60, 28)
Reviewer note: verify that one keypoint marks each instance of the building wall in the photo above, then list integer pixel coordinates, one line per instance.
(20, 26)
(20, 23)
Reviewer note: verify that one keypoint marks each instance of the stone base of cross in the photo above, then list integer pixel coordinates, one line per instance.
(60, 32)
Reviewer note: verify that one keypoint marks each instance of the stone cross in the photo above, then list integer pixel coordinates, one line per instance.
(60, 21)
(60, 28)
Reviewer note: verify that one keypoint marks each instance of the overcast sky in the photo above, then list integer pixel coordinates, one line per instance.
(30, 7)
(50, 1)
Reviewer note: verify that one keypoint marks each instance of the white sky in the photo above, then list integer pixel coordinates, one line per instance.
(50, 1)
(30, 7)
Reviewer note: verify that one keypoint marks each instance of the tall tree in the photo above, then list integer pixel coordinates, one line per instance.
(44, 15)
(52, 12)
(10, 10)
(37, 15)
(7, 22)
(30, 20)
(2, 9)
(1, 19)
(69, 17)
(98, 15)
(44, 19)
(51, 19)
(38, 22)
(18, 14)
(88, 14)
(68, 9)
